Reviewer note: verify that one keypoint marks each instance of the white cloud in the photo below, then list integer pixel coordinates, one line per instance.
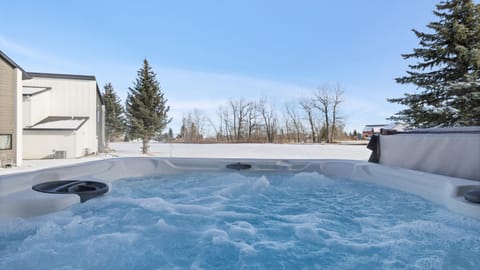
(199, 84)
(207, 104)
(187, 90)
(37, 60)
(371, 108)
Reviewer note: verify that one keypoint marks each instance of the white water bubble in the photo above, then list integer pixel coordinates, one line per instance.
(162, 225)
(241, 230)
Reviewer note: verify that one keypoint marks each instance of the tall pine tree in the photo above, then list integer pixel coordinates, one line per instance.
(146, 107)
(114, 114)
(447, 72)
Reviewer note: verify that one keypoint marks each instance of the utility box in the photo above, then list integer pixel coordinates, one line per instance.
(60, 154)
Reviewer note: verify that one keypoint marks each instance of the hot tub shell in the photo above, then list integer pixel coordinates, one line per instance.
(17, 199)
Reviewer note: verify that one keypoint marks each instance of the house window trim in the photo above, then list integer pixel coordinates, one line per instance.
(11, 141)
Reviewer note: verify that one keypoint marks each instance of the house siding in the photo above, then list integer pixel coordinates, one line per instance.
(7, 106)
(51, 141)
(36, 108)
(70, 97)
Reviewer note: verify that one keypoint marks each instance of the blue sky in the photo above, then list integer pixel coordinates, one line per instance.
(207, 52)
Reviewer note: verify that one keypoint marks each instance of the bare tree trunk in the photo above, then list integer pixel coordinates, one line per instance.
(324, 103)
(336, 101)
(297, 125)
(269, 120)
(239, 111)
(307, 106)
(251, 112)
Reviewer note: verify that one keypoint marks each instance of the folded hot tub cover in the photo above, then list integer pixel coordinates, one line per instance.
(447, 151)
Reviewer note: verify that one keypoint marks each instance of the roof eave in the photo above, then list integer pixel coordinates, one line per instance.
(25, 75)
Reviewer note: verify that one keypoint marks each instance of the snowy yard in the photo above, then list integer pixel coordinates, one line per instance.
(271, 151)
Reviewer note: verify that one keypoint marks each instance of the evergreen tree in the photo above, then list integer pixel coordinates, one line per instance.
(114, 114)
(447, 72)
(146, 107)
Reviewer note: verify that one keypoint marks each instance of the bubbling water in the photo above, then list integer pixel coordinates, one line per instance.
(244, 221)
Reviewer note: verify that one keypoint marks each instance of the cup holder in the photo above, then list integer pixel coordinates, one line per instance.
(85, 189)
(473, 196)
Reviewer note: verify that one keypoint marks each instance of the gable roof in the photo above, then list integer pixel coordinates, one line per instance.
(25, 75)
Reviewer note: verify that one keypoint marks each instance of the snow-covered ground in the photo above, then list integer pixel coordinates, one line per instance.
(273, 151)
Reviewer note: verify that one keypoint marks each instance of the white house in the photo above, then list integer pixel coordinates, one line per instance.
(58, 116)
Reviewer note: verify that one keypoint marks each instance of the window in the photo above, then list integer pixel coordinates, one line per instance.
(5, 141)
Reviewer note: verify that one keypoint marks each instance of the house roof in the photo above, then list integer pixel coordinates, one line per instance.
(70, 77)
(63, 123)
(62, 76)
(25, 75)
(29, 75)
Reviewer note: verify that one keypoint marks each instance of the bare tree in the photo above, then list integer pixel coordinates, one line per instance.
(192, 129)
(225, 126)
(242, 120)
(251, 119)
(323, 103)
(239, 112)
(337, 99)
(269, 119)
(217, 130)
(199, 119)
(295, 120)
(308, 106)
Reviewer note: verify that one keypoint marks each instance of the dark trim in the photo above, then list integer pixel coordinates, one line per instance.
(102, 101)
(468, 130)
(11, 141)
(25, 75)
(49, 129)
(379, 125)
(45, 89)
(58, 118)
(62, 76)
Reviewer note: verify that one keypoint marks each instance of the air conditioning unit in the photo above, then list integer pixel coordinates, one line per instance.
(60, 154)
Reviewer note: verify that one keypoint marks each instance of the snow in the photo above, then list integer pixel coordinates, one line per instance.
(269, 151)
(272, 151)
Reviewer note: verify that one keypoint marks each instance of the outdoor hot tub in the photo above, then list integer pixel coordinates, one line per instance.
(18, 199)
(166, 213)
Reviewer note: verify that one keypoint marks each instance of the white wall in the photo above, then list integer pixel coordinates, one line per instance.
(18, 137)
(81, 141)
(71, 97)
(36, 108)
(26, 112)
(40, 144)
